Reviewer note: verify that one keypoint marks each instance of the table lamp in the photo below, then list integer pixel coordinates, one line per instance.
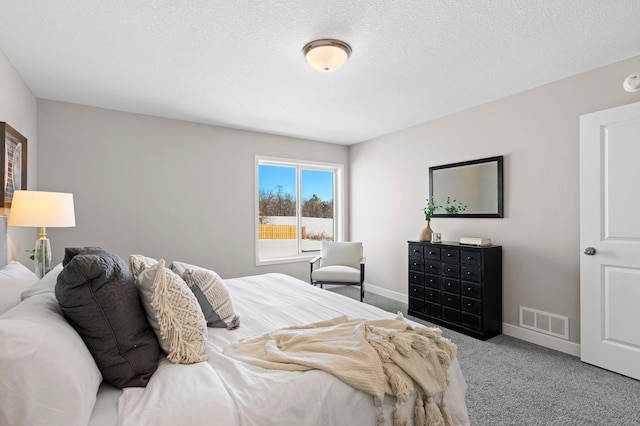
(42, 209)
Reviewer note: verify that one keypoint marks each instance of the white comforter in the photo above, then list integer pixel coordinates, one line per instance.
(223, 391)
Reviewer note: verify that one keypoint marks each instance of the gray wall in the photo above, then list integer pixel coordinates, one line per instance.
(163, 188)
(18, 109)
(538, 133)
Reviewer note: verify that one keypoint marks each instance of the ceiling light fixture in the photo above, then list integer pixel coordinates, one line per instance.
(326, 55)
(632, 83)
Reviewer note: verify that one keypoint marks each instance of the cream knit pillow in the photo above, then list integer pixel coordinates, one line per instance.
(138, 263)
(174, 314)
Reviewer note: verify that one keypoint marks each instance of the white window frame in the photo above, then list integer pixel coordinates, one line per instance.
(338, 203)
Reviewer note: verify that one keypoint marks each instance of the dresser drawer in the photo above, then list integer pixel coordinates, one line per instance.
(452, 315)
(416, 264)
(431, 295)
(450, 255)
(432, 267)
(471, 321)
(416, 291)
(451, 270)
(471, 305)
(451, 285)
(432, 281)
(416, 278)
(470, 273)
(451, 300)
(416, 304)
(433, 309)
(471, 258)
(415, 250)
(471, 289)
(432, 253)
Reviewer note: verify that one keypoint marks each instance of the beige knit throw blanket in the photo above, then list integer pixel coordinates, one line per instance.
(387, 356)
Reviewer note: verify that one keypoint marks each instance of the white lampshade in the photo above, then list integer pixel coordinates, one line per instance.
(326, 55)
(42, 209)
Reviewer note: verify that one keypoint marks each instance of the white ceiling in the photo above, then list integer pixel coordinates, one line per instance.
(239, 64)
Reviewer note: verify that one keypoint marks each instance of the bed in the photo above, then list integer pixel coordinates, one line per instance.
(47, 375)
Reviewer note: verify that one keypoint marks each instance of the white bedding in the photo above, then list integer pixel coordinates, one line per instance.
(227, 392)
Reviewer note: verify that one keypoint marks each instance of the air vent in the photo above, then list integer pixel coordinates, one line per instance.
(544, 322)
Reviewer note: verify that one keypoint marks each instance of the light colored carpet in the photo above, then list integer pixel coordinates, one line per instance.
(513, 382)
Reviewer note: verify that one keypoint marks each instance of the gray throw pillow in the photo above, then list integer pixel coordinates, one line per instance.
(97, 294)
(212, 295)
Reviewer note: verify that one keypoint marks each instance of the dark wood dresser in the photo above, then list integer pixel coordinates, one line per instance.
(457, 286)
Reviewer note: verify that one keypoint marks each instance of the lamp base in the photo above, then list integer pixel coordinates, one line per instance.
(42, 256)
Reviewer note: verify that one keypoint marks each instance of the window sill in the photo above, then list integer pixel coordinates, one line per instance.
(290, 259)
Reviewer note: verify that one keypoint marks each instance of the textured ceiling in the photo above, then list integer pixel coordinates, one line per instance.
(239, 63)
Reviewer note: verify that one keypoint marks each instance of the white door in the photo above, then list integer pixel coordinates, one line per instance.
(610, 239)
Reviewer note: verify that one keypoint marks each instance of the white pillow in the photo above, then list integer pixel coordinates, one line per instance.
(46, 285)
(174, 314)
(14, 279)
(47, 374)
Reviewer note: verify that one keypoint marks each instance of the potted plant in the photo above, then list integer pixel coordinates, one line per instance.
(427, 232)
(452, 207)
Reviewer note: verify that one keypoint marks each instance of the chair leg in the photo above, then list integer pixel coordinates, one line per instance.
(361, 281)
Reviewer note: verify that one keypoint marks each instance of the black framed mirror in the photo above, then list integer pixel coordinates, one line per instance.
(474, 185)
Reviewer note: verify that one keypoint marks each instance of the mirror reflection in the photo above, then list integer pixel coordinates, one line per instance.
(473, 186)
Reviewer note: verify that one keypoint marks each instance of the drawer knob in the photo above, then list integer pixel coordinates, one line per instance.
(448, 299)
(469, 273)
(469, 257)
(430, 266)
(448, 254)
(469, 305)
(432, 252)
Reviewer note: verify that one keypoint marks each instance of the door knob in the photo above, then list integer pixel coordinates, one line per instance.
(589, 251)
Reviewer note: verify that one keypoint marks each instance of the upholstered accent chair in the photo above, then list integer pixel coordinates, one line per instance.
(339, 263)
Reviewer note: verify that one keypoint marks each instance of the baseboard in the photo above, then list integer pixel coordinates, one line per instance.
(541, 339)
(400, 297)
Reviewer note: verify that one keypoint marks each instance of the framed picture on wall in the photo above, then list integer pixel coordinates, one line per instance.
(13, 156)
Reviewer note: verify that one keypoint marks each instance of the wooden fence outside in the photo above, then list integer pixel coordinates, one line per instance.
(270, 231)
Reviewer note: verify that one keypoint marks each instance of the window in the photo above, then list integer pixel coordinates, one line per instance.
(298, 207)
